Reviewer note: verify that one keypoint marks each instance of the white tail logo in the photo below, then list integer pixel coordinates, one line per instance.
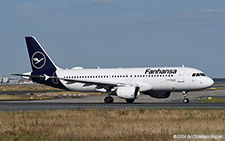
(38, 63)
(37, 60)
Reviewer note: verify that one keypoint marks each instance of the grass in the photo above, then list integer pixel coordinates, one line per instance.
(21, 97)
(26, 87)
(111, 124)
(44, 95)
(213, 100)
(13, 97)
(105, 124)
(41, 89)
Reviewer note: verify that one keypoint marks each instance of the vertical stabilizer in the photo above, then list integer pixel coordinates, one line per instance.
(40, 62)
(42, 65)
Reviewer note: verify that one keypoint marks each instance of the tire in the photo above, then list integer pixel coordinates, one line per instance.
(111, 99)
(186, 100)
(108, 99)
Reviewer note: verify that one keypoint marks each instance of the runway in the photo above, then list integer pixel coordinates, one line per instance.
(24, 106)
(96, 102)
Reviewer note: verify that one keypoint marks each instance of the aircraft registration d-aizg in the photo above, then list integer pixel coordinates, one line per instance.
(126, 83)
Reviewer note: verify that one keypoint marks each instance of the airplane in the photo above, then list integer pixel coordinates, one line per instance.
(126, 83)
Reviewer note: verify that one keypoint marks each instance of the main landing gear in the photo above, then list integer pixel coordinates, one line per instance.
(109, 99)
(185, 100)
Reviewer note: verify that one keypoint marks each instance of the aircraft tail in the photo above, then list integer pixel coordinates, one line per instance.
(40, 62)
(43, 68)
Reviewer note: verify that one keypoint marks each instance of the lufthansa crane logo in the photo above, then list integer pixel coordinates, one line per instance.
(38, 60)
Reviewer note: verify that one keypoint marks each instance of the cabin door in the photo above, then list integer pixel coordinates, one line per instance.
(181, 76)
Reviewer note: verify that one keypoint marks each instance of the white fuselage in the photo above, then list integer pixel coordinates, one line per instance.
(148, 79)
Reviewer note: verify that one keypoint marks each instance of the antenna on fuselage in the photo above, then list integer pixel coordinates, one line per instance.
(183, 66)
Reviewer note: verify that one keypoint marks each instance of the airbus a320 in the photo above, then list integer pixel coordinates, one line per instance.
(126, 83)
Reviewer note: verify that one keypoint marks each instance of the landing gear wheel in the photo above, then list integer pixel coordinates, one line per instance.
(108, 99)
(186, 100)
(130, 100)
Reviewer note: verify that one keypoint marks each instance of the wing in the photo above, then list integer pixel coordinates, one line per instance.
(93, 82)
(107, 85)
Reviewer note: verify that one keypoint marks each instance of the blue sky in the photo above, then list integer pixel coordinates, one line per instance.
(115, 33)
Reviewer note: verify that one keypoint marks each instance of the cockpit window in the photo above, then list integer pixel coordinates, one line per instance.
(198, 74)
(202, 74)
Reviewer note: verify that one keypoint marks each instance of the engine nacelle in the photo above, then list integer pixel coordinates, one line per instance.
(128, 92)
(159, 94)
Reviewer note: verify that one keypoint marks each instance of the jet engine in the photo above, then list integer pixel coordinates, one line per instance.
(128, 92)
(159, 94)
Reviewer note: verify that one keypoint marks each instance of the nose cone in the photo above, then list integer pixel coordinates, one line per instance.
(209, 82)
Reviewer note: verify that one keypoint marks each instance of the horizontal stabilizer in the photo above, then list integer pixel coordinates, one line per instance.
(26, 75)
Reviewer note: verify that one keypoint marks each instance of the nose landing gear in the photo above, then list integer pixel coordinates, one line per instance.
(185, 100)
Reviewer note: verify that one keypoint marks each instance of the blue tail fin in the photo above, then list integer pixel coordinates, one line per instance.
(41, 63)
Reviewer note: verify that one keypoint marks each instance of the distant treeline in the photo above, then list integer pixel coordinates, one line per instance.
(219, 80)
